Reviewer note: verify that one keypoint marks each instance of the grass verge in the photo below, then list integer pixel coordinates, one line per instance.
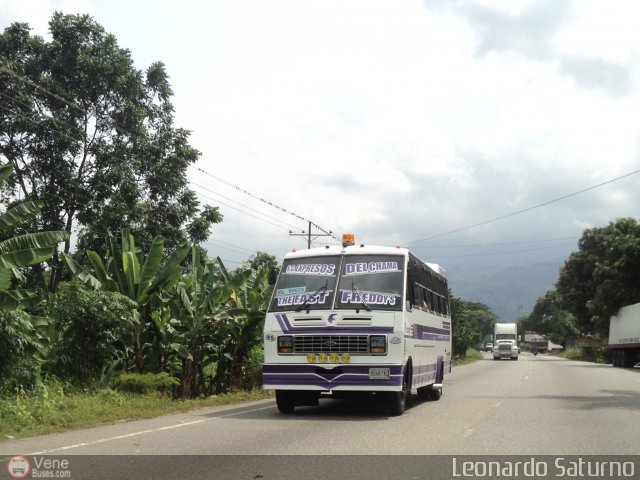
(57, 407)
(49, 409)
(471, 355)
(587, 354)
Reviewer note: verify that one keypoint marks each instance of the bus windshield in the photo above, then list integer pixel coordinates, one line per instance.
(371, 282)
(306, 283)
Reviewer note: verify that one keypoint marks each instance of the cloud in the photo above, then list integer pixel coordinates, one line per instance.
(400, 120)
(535, 32)
(611, 77)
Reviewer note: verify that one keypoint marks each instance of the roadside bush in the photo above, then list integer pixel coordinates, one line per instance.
(587, 354)
(19, 347)
(145, 382)
(574, 353)
(253, 368)
(91, 328)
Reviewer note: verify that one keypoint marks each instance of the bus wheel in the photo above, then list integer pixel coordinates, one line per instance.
(406, 385)
(435, 394)
(285, 401)
(424, 393)
(397, 402)
(429, 393)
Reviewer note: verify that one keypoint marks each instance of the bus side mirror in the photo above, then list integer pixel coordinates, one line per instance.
(273, 276)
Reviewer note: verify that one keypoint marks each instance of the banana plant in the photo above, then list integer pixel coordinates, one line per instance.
(241, 317)
(128, 271)
(192, 306)
(22, 250)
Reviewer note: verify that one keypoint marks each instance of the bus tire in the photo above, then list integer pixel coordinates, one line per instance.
(285, 400)
(406, 385)
(435, 394)
(424, 393)
(397, 403)
(629, 358)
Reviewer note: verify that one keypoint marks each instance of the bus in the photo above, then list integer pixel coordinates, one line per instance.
(357, 320)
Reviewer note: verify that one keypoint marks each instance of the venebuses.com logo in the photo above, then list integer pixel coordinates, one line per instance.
(18, 467)
(38, 467)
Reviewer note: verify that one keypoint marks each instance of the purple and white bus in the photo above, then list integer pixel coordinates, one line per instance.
(353, 319)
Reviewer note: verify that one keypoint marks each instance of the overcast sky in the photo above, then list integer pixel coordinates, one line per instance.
(397, 120)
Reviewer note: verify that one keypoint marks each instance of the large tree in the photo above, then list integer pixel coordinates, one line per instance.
(602, 275)
(550, 319)
(92, 138)
(471, 322)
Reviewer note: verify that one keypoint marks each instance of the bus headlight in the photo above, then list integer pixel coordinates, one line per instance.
(285, 344)
(378, 344)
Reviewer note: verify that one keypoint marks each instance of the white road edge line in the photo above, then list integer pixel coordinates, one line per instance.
(142, 432)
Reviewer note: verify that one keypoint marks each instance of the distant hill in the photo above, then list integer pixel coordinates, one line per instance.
(509, 291)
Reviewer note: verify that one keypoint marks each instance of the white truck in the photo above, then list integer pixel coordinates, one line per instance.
(624, 336)
(505, 341)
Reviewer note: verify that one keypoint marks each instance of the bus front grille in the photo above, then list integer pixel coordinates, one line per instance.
(352, 344)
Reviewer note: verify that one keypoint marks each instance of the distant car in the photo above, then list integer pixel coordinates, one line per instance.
(488, 346)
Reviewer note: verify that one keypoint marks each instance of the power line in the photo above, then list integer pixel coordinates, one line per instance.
(38, 122)
(55, 120)
(271, 204)
(245, 206)
(513, 214)
(246, 213)
(41, 88)
(503, 253)
(232, 245)
(482, 245)
(74, 105)
(232, 249)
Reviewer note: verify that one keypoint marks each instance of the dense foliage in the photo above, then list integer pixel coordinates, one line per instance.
(471, 322)
(602, 275)
(550, 319)
(89, 329)
(93, 139)
(19, 351)
(93, 149)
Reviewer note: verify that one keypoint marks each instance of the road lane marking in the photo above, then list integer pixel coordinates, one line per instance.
(142, 432)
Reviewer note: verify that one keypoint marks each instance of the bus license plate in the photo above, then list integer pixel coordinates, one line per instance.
(379, 374)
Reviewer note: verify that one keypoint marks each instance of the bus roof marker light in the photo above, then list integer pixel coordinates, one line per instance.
(348, 239)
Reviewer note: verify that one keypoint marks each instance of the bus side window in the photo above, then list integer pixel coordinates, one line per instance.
(439, 309)
(425, 299)
(417, 301)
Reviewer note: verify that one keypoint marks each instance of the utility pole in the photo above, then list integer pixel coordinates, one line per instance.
(308, 234)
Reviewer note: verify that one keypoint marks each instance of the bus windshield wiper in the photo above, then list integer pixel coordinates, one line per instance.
(357, 290)
(307, 302)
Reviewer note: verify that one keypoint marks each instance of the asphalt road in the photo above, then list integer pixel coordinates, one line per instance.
(535, 406)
